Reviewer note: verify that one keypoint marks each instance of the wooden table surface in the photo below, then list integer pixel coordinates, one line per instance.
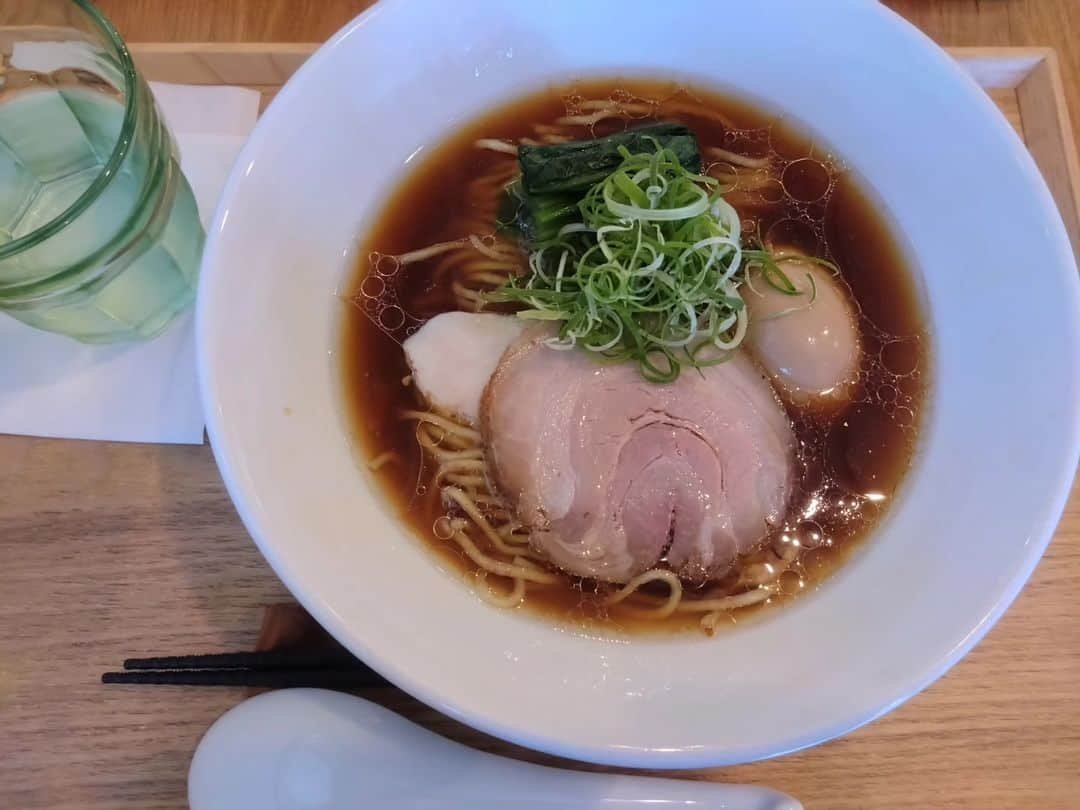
(110, 550)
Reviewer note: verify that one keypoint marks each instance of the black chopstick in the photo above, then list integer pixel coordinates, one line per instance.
(331, 667)
(271, 659)
(267, 679)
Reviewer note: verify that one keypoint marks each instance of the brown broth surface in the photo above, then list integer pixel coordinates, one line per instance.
(851, 462)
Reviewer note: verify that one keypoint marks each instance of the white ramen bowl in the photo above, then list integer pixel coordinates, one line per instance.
(999, 445)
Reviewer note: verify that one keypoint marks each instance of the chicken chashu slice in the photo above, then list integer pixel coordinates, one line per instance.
(615, 475)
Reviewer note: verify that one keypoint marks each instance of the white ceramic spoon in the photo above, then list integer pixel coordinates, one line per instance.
(313, 749)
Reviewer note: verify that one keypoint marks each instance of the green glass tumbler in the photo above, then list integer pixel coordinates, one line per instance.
(100, 237)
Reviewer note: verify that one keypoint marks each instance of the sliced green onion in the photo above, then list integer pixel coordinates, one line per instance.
(651, 272)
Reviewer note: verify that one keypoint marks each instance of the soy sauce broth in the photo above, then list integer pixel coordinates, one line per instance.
(851, 463)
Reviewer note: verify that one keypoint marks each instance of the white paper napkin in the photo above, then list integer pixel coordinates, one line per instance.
(136, 392)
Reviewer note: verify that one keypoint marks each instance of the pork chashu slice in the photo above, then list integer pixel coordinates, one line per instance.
(615, 475)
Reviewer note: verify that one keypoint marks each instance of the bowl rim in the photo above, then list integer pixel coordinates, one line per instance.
(1044, 524)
